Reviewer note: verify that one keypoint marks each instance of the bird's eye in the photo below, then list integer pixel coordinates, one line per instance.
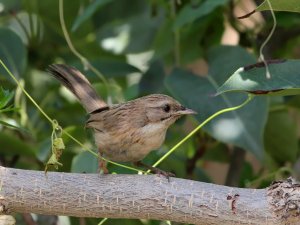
(167, 108)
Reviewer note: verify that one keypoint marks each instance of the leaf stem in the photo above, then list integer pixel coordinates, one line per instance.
(102, 221)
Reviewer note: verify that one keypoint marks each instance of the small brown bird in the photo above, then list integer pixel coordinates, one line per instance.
(126, 132)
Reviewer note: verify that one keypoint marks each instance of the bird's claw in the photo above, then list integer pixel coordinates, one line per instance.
(165, 174)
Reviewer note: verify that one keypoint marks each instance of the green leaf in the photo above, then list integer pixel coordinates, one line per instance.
(280, 5)
(134, 35)
(77, 132)
(44, 150)
(152, 79)
(9, 109)
(276, 5)
(190, 13)
(5, 97)
(110, 68)
(89, 12)
(115, 68)
(218, 153)
(285, 79)
(164, 41)
(242, 127)
(11, 145)
(114, 12)
(9, 5)
(281, 140)
(12, 52)
(84, 162)
(13, 126)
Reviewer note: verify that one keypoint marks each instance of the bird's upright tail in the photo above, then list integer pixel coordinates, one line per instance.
(77, 83)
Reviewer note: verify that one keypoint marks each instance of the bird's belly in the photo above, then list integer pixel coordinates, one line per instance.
(130, 146)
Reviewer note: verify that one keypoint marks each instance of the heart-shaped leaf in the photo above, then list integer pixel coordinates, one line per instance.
(285, 79)
(243, 127)
(276, 5)
(286, 5)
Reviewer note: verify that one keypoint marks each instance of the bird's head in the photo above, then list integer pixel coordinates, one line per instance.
(164, 109)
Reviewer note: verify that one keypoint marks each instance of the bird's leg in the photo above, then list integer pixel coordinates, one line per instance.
(154, 169)
(102, 164)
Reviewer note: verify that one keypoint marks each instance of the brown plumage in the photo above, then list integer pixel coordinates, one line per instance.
(77, 83)
(126, 132)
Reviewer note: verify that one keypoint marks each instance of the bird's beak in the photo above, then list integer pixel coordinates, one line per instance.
(186, 111)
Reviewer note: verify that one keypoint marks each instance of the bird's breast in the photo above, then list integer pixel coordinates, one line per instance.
(131, 145)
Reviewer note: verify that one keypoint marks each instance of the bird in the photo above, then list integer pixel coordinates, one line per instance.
(125, 132)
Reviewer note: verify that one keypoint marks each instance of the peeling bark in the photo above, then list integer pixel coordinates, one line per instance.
(284, 198)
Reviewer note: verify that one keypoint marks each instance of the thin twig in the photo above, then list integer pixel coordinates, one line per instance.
(261, 55)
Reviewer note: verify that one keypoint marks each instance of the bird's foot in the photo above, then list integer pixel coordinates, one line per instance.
(102, 166)
(163, 173)
(155, 170)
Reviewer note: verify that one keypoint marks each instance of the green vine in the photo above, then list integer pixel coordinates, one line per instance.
(55, 124)
(250, 97)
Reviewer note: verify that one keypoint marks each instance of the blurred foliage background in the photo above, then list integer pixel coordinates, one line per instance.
(185, 49)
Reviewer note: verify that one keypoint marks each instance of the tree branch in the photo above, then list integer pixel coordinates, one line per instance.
(146, 196)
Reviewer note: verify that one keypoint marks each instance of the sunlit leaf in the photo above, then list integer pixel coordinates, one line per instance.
(134, 35)
(285, 79)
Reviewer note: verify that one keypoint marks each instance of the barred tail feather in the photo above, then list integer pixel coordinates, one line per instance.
(77, 83)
